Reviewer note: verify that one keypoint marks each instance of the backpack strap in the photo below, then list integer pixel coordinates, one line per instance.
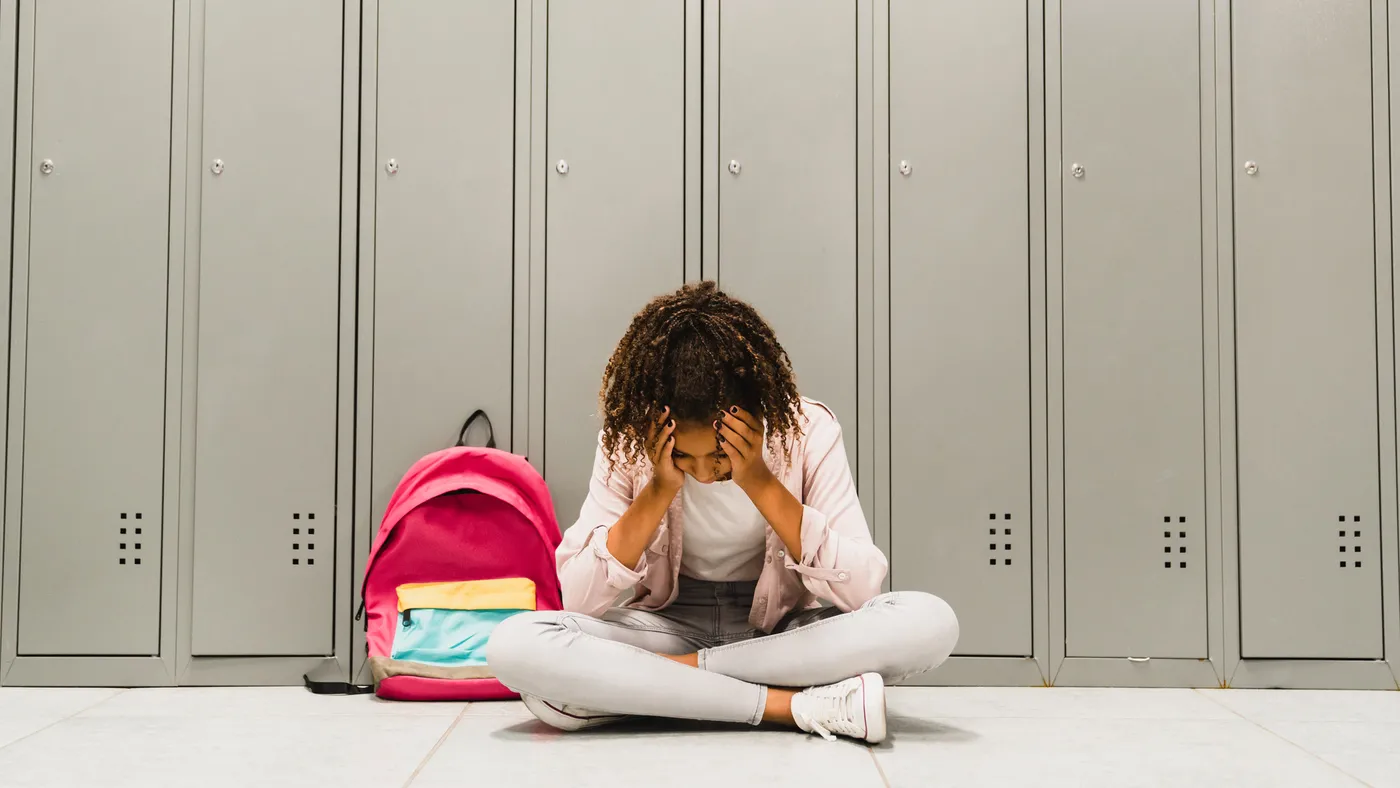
(337, 686)
(490, 431)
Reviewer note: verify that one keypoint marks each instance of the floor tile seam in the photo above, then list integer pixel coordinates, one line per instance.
(1275, 734)
(879, 769)
(437, 745)
(62, 720)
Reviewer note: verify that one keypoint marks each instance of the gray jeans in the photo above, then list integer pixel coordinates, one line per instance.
(610, 665)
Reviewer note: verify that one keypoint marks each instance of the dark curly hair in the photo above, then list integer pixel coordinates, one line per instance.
(697, 351)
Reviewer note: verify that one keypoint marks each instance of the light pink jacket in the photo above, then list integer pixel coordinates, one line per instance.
(839, 562)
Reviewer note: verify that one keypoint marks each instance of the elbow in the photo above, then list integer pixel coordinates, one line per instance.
(864, 582)
(583, 598)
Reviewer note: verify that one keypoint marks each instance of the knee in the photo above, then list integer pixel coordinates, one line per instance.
(926, 632)
(519, 648)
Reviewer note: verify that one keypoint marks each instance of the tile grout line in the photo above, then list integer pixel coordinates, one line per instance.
(1282, 738)
(60, 721)
(437, 745)
(884, 778)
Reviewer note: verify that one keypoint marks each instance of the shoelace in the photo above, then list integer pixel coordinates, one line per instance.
(832, 713)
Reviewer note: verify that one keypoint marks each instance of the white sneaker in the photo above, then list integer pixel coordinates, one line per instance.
(567, 718)
(854, 707)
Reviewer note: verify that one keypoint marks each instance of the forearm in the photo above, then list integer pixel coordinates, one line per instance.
(629, 536)
(782, 511)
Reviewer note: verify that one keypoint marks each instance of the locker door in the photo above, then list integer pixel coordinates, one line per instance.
(616, 223)
(1134, 410)
(787, 202)
(443, 228)
(959, 323)
(94, 394)
(1305, 301)
(268, 327)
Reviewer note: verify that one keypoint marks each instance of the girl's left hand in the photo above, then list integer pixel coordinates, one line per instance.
(742, 437)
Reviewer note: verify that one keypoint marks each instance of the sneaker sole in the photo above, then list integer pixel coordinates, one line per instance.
(873, 690)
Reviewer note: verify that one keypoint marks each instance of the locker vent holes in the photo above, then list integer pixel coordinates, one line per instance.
(1350, 542)
(298, 540)
(128, 540)
(1174, 546)
(1000, 541)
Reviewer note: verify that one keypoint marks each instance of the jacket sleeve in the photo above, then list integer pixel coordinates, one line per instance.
(590, 577)
(840, 563)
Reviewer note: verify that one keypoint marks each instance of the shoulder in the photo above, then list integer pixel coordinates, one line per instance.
(820, 427)
(817, 413)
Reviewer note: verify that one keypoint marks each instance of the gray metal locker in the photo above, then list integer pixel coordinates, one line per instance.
(787, 194)
(1305, 330)
(442, 228)
(615, 204)
(269, 271)
(959, 322)
(94, 359)
(1134, 408)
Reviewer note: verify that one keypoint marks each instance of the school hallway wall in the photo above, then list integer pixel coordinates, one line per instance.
(1102, 293)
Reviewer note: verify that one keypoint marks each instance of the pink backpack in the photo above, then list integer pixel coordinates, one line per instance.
(468, 540)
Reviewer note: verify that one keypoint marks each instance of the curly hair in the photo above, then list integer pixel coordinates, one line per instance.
(697, 351)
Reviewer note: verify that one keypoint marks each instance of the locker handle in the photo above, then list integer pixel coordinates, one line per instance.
(1139, 659)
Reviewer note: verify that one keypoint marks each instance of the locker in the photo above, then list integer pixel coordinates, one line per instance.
(959, 323)
(443, 228)
(1134, 411)
(94, 363)
(787, 194)
(268, 325)
(1305, 330)
(615, 204)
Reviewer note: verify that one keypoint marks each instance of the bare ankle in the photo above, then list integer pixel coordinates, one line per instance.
(777, 707)
(689, 660)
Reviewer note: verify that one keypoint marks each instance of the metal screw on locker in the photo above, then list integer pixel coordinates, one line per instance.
(905, 168)
(562, 167)
(1251, 168)
(217, 167)
(46, 166)
(734, 166)
(391, 166)
(1077, 170)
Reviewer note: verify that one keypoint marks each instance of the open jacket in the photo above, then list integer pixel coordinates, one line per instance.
(839, 562)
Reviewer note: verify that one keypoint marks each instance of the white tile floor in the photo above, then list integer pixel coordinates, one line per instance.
(998, 737)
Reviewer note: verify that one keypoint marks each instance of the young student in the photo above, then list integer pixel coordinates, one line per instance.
(723, 501)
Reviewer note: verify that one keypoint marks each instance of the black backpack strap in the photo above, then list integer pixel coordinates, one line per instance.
(337, 685)
(466, 426)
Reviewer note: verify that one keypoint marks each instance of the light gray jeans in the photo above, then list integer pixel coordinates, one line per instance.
(610, 665)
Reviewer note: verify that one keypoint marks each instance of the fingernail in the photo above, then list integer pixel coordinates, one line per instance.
(671, 423)
(734, 409)
(722, 440)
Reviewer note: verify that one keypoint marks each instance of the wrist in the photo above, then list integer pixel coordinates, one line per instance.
(757, 482)
(663, 490)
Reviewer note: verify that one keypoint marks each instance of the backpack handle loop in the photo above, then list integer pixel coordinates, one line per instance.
(466, 426)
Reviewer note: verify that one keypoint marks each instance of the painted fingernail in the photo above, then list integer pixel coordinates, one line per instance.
(671, 423)
(734, 409)
(722, 440)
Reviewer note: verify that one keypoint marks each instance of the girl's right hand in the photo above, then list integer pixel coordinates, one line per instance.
(660, 444)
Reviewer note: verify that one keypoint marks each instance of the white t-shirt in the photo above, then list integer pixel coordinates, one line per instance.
(724, 535)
